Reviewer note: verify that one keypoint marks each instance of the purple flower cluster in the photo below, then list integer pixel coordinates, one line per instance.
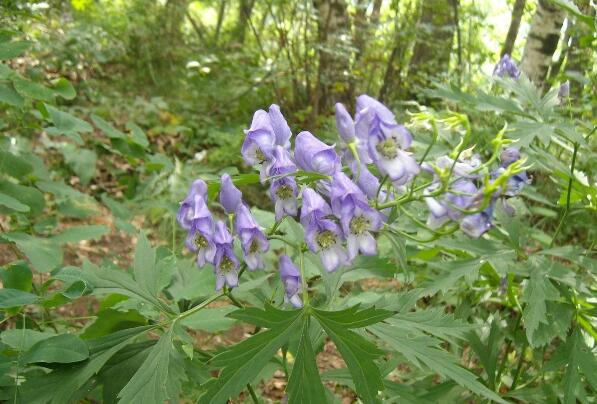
(506, 67)
(339, 210)
(213, 241)
(463, 194)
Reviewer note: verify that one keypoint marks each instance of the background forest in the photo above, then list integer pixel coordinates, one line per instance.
(109, 109)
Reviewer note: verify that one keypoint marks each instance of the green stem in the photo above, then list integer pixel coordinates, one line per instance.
(568, 196)
(303, 278)
(195, 309)
(252, 393)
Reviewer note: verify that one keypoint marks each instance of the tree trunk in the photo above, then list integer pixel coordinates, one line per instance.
(333, 84)
(542, 41)
(245, 9)
(220, 21)
(431, 54)
(517, 13)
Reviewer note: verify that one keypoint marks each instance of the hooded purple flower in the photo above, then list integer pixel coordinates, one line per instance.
(369, 112)
(280, 126)
(252, 239)
(449, 206)
(260, 139)
(516, 182)
(200, 237)
(291, 278)
(323, 235)
(192, 203)
(226, 263)
(230, 196)
(283, 191)
(386, 147)
(344, 124)
(564, 90)
(367, 182)
(477, 224)
(357, 218)
(506, 67)
(312, 154)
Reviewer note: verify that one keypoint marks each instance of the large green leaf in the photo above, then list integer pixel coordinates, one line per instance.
(60, 385)
(12, 203)
(14, 165)
(433, 321)
(304, 384)
(9, 96)
(63, 348)
(17, 275)
(23, 339)
(538, 291)
(14, 298)
(144, 266)
(33, 90)
(67, 124)
(9, 50)
(107, 128)
(242, 362)
(44, 254)
(105, 280)
(159, 378)
(358, 353)
(425, 350)
(74, 234)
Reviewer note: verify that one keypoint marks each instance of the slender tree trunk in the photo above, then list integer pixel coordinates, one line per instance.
(579, 57)
(517, 13)
(245, 9)
(333, 84)
(542, 41)
(221, 15)
(431, 54)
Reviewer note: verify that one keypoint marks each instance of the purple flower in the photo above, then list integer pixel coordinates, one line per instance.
(314, 207)
(357, 218)
(260, 139)
(226, 263)
(291, 278)
(344, 124)
(460, 196)
(280, 126)
(281, 163)
(386, 148)
(284, 192)
(312, 154)
(367, 182)
(230, 196)
(564, 90)
(200, 241)
(508, 156)
(370, 113)
(515, 183)
(252, 239)
(323, 235)
(477, 224)
(506, 67)
(191, 203)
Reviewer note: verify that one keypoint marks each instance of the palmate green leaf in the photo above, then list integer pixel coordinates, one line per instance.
(433, 321)
(489, 350)
(105, 280)
(451, 273)
(357, 352)
(537, 292)
(355, 318)
(60, 385)
(211, 319)
(268, 317)
(242, 362)
(159, 378)
(304, 384)
(424, 350)
(63, 348)
(578, 358)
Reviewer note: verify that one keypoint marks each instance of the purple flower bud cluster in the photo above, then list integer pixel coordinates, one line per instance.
(506, 67)
(212, 240)
(464, 195)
